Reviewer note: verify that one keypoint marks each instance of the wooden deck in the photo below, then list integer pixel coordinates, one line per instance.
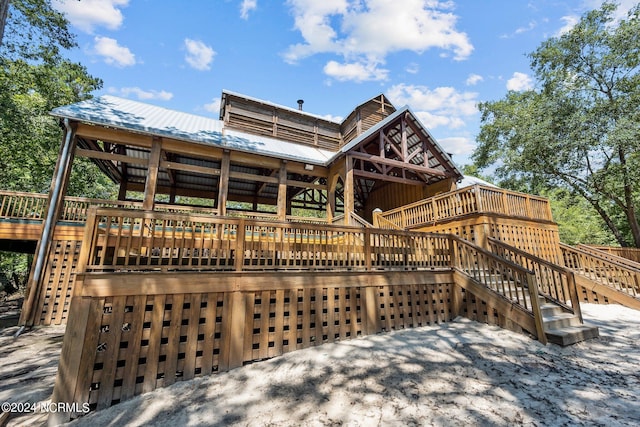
(175, 296)
(178, 292)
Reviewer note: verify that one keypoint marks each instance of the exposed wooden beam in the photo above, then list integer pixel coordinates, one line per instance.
(435, 153)
(101, 155)
(223, 184)
(152, 175)
(204, 170)
(282, 191)
(398, 164)
(378, 177)
(349, 187)
(114, 135)
(264, 184)
(243, 176)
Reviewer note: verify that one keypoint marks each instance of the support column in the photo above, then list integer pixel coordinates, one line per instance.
(282, 191)
(349, 189)
(223, 184)
(332, 183)
(55, 204)
(152, 175)
(122, 193)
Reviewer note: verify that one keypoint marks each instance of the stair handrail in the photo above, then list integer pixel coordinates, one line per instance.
(357, 221)
(539, 266)
(476, 261)
(628, 278)
(381, 222)
(611, 257)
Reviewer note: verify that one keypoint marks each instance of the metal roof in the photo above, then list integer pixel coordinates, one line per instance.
(157, 121)
(148, 119)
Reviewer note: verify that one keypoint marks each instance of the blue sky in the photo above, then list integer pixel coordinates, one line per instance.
(439, 57)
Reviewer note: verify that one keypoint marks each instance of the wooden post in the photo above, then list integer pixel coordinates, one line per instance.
(332, 182)
(122, 192)
(223, 184)
(573, 295)
(152, 175)
(370, 314)
(349, 189)
(73, 379)
(367, 248)
(535, 307)
(232, 335)
(479, 205)
(282, 191)
(240, 244)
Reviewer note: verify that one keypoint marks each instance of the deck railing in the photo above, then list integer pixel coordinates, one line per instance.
(627, 256)
(32, 206)
(602, 270)
(132, 240)
(20, 205)
(555, 283)
(513, 282)
(469, 200)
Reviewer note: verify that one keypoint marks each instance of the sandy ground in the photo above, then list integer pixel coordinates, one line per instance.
(459, 373)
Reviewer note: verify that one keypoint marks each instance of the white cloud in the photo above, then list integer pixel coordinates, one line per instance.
(113, 53)
(214, 106)
(366, 31)
(357, 71)
(458, 145)
(474, 79)
(246, 7)
(199, 55)
(621, 11)
(142, 94)
(569, 22)
(520, 81)
(442, 106)
(531, 26)
(412, 68)
(86, 15)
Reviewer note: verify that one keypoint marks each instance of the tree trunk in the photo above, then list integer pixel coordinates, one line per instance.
(633, 224)
(4, 10)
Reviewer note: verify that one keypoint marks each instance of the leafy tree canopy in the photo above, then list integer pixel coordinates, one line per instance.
(35, 77)
(579, 129)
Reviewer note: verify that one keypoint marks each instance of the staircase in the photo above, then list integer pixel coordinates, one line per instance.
(609, 276)
(564, 328)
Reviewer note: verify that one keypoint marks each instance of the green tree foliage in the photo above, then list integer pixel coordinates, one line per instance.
(579, 129)
(35, 78)
(577, 221)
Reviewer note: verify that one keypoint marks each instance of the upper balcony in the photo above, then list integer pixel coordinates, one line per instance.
(471, 200)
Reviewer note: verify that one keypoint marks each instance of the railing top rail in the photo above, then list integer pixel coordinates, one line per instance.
(530, 256)
(181, 216)
(23, 194)
(569, 248)
(607, 255)
(471, 189)
(489, 254)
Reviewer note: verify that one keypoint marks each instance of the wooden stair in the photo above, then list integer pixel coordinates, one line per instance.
(564, 328)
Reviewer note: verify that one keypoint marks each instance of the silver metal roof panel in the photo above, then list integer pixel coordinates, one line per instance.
(157, 121)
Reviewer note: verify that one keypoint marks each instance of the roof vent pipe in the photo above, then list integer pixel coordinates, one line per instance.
(300, 102)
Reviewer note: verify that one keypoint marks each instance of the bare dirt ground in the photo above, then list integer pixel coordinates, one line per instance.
(459, 373)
